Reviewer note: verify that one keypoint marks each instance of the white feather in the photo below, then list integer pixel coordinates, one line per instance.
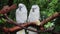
(33, 16)
(21, 16)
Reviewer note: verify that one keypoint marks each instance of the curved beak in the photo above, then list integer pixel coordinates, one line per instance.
(20, 8)
(33, 9)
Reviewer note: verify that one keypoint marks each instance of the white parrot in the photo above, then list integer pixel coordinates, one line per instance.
(34, 16)
(21, 16)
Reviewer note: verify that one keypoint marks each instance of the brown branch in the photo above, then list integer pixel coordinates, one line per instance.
(50, 18)
(6, 9)
(43, 22)
(19, 27)
(12, 30)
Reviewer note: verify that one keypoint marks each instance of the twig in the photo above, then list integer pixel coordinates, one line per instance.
(50, 18)
(55, 15)
(43, 22)
(23, 26)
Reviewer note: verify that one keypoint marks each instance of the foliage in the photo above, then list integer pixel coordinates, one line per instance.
(47, 8)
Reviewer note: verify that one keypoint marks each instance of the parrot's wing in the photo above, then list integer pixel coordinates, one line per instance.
(34, 14)
(21, 14)
(18, 16)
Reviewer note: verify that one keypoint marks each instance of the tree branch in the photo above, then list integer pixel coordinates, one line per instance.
(55, 15)
(6, 9)
(22, 26)
(43, 22)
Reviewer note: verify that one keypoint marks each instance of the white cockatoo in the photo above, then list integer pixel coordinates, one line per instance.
(34, 16)
(21, 16)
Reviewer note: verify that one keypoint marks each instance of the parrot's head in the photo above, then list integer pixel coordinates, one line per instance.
(35, 7)
(21, 6)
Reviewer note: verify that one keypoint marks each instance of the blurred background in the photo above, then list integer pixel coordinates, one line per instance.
(47, 8)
